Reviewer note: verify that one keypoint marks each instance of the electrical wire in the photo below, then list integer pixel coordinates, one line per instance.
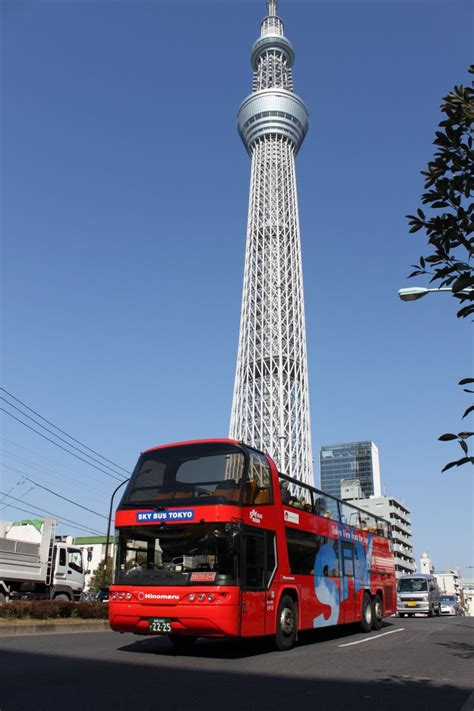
(50, 469)
(123, 478)
(60, 496)
(61, 439)
(63, 432)
(50, 513)
(92, 494)
(17, 483)
(77, 528)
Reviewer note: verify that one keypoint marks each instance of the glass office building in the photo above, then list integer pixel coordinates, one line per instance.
(350, 460)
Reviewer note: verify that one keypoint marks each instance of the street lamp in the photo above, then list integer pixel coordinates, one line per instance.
(417, 292)
(108, 529)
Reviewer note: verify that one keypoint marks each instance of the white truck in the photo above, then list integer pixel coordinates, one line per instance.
(48, 569)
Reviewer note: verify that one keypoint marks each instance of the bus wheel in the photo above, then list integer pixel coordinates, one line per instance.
(377, 612)
(62, 597)
(182, 643)
(287, 624)
(366, 622)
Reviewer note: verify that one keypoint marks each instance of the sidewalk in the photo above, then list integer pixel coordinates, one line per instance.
(21, 627)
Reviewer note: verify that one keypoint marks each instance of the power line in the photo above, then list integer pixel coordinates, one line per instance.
(17, 483)
(7, 505)
(63, 432)
(93, 494)
(50, 467)
(41, 455)
(61, 439)
(50, 513)
(61, 447)
(35, 513)
(60, 496)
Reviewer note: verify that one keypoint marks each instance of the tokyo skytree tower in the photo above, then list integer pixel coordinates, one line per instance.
(270, 408)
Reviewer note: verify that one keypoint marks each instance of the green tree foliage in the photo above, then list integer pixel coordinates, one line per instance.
(98, 580)
(449, 219)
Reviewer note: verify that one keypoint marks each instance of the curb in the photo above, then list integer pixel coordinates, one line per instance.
(13, 630)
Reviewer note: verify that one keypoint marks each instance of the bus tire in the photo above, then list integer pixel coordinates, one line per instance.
(182, 643)
(286, 624)
(377, 612)
(62, 597)
(367, 619)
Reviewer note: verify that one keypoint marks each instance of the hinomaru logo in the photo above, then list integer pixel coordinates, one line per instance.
(156, 596)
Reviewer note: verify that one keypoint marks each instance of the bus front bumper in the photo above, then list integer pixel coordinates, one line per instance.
(216, 618)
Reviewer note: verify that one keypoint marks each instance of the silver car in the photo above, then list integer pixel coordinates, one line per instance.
(450, 605)
(418, 593)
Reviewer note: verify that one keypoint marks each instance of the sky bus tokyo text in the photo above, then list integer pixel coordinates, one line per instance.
(214, 542)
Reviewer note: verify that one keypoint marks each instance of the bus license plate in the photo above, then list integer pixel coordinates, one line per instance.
(159, 625)
(411, 604)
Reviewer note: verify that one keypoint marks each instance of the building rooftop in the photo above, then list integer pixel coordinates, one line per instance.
(91, 540)
(35, 522)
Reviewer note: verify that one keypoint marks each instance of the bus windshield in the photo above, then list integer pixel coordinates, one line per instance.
(201, 473)
(412, 585)
(178, 555)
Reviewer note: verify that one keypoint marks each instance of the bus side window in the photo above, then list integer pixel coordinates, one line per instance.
(258, 488)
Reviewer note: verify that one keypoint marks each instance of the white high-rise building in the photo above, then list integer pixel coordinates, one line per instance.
(270, 407)
(397, 514)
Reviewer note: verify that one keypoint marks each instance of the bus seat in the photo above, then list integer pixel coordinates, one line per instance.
(250, 491)
(227, 489)
(263, 497)
(164, 494)
(184, 494)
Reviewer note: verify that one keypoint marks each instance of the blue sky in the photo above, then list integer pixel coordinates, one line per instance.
(125, 191)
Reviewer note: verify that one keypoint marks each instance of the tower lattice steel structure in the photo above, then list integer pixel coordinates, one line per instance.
(270, 407)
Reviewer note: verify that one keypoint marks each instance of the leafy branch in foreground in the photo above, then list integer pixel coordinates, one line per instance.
(449, 184)
(461, 437)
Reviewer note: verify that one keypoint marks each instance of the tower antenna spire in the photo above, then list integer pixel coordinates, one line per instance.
(272, 7)
(270, 407)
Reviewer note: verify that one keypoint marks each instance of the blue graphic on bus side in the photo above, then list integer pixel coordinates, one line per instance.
(153, 516)
(332, 592)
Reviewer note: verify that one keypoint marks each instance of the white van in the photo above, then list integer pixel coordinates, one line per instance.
(418, 593)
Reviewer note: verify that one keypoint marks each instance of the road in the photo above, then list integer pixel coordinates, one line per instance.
(410, 664)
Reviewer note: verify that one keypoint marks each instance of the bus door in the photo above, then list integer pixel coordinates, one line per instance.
(258, 565)
(348, 595)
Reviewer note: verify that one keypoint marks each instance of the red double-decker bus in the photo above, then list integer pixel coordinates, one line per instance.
(214, 542)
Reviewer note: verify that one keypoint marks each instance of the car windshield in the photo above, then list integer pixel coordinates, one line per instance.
(412, 585)
(178, 555)
(191, 474)
(447, 598)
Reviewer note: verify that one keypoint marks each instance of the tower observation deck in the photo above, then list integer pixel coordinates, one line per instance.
(270, 408)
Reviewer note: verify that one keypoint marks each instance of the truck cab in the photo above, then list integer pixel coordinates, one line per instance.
(39, 567)
(67, 580)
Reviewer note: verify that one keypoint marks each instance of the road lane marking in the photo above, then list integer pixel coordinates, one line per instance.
(371, 639)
